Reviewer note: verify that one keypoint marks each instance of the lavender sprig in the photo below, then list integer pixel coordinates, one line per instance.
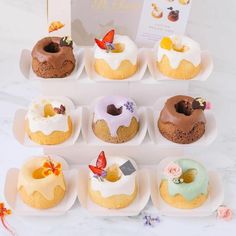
(129, 106)
(151, 221)
(109, 47)
(101, 177)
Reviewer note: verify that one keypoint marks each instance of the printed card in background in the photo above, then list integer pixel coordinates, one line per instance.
(161, 18)
(59, 10)
(144, 20)
(93, 18)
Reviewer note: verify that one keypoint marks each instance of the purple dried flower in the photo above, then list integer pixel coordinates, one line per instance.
(129, 106)
(101, 177)
(104, 174)
(109, 47)
(151, 221)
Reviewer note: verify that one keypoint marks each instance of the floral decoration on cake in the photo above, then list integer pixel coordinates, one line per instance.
(66, 41)
(129, 106)
(173, 172)
(201, 103)
(60, 110)
(51, 167)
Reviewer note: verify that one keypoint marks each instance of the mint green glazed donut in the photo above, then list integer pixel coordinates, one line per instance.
(191, 190)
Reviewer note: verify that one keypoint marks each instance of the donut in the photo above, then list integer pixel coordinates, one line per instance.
(116, 190)
(115, 119)
(156, 12)
(173, 15)
(180, 121)
(52, 57)
(188, 191)
(178, 57)
(118, 63)
(184, 2)
(48, 122)
(39, 186)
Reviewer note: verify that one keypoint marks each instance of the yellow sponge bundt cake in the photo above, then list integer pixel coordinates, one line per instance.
(115, 56)
(115, 119)
(41, 183)
(179, 57)
(48, 122)
(184, 184)
(113, 181)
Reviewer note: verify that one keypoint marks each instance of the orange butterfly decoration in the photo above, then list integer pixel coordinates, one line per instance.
(101, 163)
(3, 212)
(55, 25)
(107, 42)
(50, 167)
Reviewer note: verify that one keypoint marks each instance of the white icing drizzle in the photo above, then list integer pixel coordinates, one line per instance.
(45, 186)
(114, 60)
(125, 185)
(47, 125)
(193, 54)
(114, 122)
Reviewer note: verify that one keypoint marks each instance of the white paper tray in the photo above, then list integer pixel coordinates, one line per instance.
(206, 70)
(153, 114)
(91, 138)
(26, 66)
(132, 210)
(215, 198)
(23, 138)
(93, 75)
(19, 207)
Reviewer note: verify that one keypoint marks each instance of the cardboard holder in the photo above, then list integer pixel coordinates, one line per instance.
(15, 202)
(148, 177)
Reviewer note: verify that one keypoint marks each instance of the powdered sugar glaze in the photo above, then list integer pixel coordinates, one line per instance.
(129, 110)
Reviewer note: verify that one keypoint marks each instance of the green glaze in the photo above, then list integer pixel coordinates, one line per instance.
(190, 190)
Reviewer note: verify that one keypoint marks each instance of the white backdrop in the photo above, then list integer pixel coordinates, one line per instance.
(212, 24)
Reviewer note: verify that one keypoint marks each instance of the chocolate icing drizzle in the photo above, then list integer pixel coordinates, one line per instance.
(199, 103)
(49, 50)
(60, 110)
(66, 41)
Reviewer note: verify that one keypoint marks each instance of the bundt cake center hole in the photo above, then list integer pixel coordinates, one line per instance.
(52, 47)
(38, 173)
(118, 48)
(113, 110)
(189, 176)
(49, 111)
(113, 173)
(184, 107)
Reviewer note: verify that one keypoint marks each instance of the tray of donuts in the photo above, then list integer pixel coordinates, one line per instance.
(112, 186)
(116, 58)
(177, 121)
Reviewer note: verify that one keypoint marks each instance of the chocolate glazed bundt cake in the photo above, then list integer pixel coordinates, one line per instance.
(182, 119)
(52, 57)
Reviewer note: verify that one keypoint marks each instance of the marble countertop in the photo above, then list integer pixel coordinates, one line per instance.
(211, 23)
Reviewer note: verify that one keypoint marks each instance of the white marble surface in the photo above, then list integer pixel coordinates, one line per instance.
(212, 24)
